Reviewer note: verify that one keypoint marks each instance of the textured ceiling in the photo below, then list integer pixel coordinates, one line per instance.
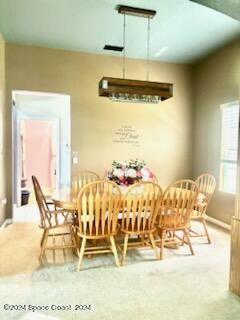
(182, 31)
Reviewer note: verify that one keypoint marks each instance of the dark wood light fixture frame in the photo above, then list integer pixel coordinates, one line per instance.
(139, 87)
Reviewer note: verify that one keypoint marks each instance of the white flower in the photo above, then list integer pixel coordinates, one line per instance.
(131, 173)
(118, 173)
(122, 163)
(145, 173)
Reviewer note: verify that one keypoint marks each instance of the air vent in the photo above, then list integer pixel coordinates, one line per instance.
(113, 48)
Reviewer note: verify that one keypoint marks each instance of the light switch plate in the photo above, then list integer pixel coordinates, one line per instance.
(75, 160)
(75, 157)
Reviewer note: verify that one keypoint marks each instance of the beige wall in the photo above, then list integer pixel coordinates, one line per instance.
(165, 130)
(216, 81)
(2, 128)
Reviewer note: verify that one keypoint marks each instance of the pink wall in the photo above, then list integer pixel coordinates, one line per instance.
(38, 151)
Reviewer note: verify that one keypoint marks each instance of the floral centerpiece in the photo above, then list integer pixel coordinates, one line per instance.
(128, 172)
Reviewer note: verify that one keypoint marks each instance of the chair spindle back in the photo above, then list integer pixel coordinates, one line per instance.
(98, 207)
(140, 207)
(177, 204)
(206, 185)
(83, 178)
(42, 204)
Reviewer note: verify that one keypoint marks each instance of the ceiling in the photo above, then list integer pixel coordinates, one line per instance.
(229, 7)
(181, 32)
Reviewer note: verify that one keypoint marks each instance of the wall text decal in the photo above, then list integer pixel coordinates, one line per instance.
(126, 134)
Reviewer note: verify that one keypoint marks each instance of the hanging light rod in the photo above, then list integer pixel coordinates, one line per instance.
(139, 12)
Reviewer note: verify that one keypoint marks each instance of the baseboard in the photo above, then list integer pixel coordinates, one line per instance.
(218, 223)
(5, 223)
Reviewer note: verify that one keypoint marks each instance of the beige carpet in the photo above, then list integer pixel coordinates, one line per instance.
(181, 287)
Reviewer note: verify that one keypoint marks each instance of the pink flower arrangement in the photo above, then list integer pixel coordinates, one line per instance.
(129, 172)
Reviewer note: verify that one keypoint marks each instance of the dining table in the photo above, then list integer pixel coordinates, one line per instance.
(66, 198)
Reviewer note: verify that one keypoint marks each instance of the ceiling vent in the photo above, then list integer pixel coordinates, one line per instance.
(113, 48)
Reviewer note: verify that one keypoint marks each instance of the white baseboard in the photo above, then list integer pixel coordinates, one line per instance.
(5, 224)
(218, 223)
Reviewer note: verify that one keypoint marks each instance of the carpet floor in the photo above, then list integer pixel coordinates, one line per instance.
(180, 287)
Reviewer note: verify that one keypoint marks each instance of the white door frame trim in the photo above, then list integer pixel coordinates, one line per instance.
(13, 107)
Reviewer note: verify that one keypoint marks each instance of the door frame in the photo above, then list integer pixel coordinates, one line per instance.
(16, 139)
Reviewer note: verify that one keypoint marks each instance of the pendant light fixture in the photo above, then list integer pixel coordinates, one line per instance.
(128, 90)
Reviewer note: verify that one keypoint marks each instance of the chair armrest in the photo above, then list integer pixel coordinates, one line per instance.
(50, 202)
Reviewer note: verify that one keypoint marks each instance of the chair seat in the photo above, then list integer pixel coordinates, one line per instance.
(96, 234)
(172, 226)
(56, 226)
(172, 221)
(135, 231)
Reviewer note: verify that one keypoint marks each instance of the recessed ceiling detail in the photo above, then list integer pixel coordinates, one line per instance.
(229, 7)
(189, 31)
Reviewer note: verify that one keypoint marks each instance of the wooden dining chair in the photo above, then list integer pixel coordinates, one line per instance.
(98, 207)
(140, 209)
(155, 179)
(52, 220)
(83, 178)
(174, 215)
(206, 185)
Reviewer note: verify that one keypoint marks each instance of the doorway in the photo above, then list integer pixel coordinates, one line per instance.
(39, 156)
(41, 147)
